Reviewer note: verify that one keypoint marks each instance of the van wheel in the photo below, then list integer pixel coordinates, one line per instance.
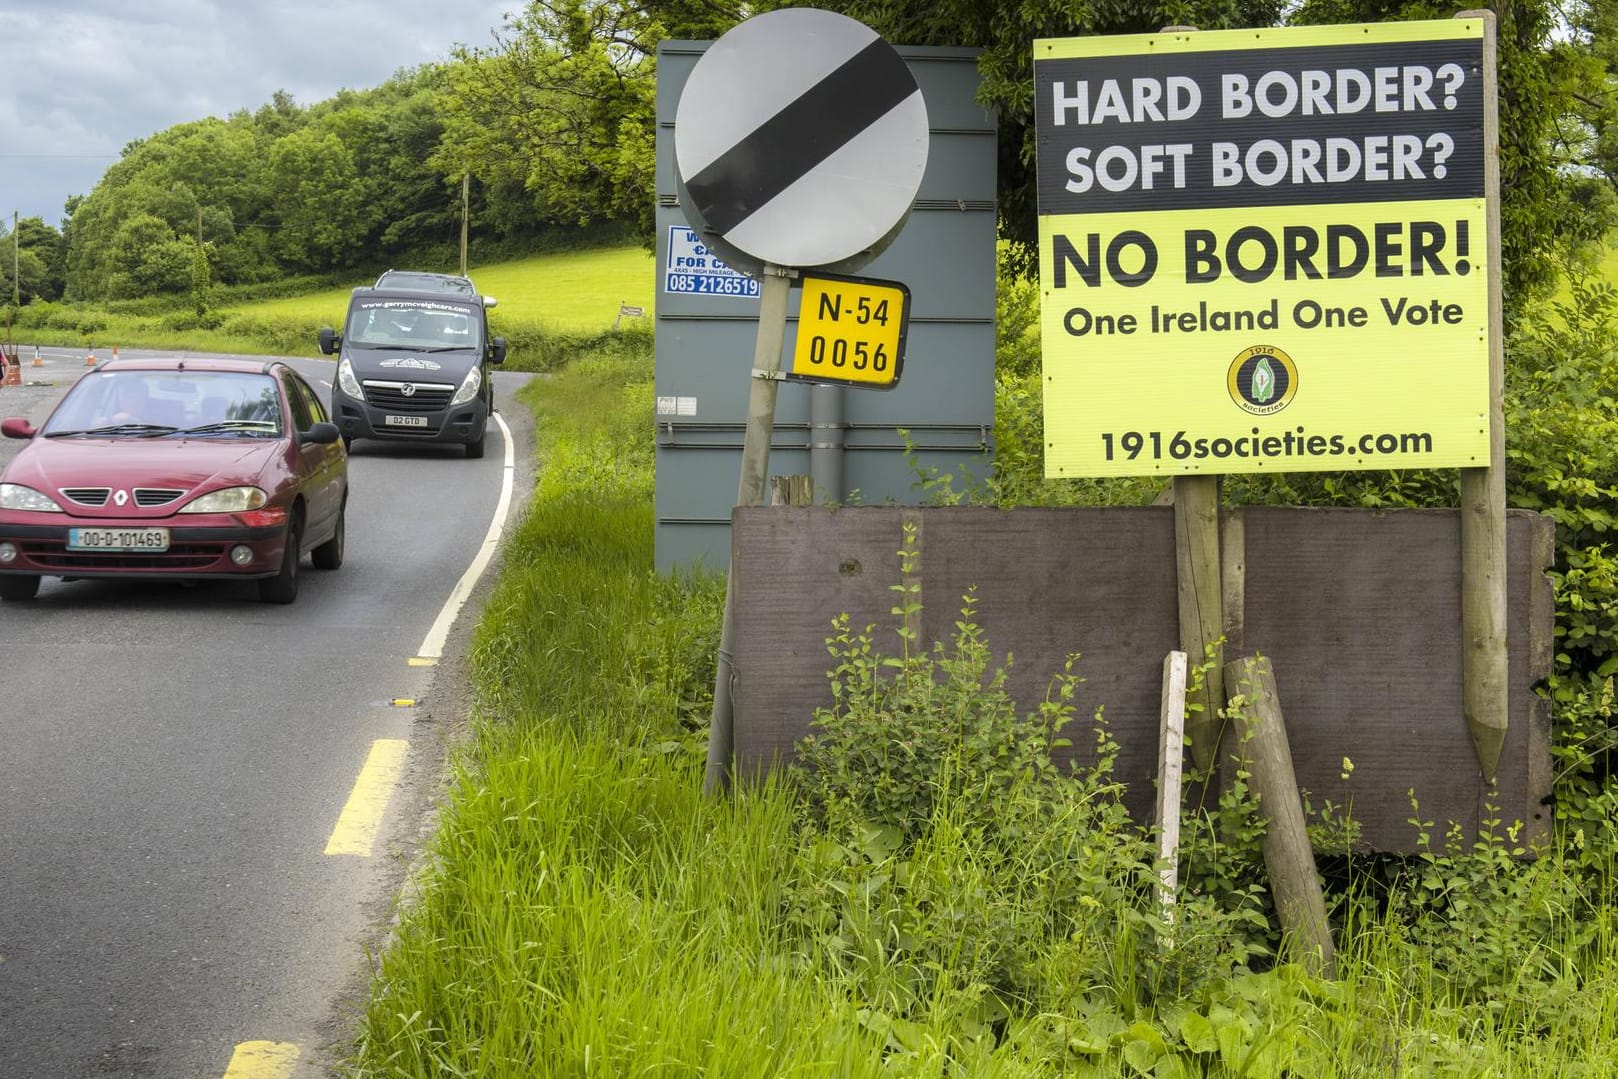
(474, 448)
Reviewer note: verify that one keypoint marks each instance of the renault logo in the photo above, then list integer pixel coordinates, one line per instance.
(120, 498)
(408, 389)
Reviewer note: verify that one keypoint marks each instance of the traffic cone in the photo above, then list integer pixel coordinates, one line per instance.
(90, 358)
(37, 361)
(13, 370)
(115, 352)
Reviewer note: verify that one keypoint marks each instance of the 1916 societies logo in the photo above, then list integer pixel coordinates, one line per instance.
(1262, 380)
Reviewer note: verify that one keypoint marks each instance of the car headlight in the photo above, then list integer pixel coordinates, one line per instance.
(346, 380)
(469, 387)
(14, 496)
(228, 500)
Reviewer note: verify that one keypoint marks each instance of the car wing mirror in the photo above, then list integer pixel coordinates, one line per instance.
(329, 341)
(320, 434)
(17, 427)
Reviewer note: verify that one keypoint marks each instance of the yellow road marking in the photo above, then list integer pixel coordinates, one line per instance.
(361, 817)
(422, 661)
(262, 1060)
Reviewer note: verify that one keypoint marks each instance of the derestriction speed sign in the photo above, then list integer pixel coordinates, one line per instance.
(801, 138)
(851, 331)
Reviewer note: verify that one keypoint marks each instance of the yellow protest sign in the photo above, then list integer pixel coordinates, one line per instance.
(1264, 250)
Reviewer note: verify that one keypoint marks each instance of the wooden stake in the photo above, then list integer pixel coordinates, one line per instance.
(1170, 768)
(1288, 857)
(1196, 549)
(1483, 490)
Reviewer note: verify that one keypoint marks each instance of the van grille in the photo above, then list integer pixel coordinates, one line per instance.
(427, 396)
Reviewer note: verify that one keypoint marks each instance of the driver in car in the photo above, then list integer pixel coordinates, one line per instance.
(130, 403)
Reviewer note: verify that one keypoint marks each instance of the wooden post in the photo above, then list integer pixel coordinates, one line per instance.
(1483, 490)
(1196, 549)
(1170, 767)
(793, 490)
(1288, 857)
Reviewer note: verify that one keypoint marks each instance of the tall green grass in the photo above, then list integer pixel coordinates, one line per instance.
(586, 911)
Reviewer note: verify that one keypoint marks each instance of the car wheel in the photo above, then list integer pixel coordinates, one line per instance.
(348, 442)
(19, 586)
(283, 587)
(474, 448)
(329, 555)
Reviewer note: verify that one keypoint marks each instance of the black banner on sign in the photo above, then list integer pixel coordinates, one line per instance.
(1385, 122)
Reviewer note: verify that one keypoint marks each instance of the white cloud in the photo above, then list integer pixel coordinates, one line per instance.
(82, 79)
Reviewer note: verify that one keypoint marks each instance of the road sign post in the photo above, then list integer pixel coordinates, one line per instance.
(800, 141)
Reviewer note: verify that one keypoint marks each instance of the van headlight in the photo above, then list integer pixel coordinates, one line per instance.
(346, 380)
(469, 387)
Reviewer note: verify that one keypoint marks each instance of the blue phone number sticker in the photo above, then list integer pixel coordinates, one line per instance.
(710, 285)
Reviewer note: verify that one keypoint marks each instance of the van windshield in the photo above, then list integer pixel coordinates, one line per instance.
(423, 325)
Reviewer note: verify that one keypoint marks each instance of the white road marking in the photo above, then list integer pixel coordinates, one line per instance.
(432, 646)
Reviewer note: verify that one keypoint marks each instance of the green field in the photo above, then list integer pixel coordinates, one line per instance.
(574, 291)
(546, 302)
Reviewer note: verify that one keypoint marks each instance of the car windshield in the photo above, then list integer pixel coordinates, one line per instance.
(413, 324)
(164, 403)
(433, 282)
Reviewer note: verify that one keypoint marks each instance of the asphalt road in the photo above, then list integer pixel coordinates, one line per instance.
(175, 760)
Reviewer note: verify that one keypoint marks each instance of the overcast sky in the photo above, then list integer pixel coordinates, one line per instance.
(80, 79)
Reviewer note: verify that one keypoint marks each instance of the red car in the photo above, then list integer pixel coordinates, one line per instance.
(175, 469)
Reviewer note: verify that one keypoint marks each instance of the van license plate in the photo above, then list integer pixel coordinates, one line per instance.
(405, 421)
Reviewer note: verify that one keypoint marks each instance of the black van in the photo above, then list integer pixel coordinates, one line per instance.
(413, 366)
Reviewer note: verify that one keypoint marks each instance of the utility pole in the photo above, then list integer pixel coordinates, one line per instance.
(466, 199)
(16, 292)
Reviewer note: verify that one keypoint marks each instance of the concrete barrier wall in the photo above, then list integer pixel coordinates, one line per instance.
(1359, 611)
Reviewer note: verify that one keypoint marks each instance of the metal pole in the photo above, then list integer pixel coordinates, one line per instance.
(826, 442)
(772, 327)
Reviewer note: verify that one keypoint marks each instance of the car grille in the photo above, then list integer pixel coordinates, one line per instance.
(428, 397)
(145, 497)
(87, 496)
(149, 497)
(55, 557)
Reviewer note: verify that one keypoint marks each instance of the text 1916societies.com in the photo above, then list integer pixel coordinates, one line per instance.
(1180, 446)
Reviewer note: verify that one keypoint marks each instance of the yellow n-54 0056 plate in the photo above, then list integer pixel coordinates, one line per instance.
(851, 331)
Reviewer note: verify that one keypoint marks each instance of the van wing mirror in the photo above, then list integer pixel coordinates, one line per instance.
(329, 341)
(497, 351)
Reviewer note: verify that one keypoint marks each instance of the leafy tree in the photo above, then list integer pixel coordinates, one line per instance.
(211, 166)
(322, 211)
(563, 107)
(147, 258)
(37, 251)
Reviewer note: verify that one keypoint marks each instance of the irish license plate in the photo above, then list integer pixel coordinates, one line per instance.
(405, 421)
(117, 539)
